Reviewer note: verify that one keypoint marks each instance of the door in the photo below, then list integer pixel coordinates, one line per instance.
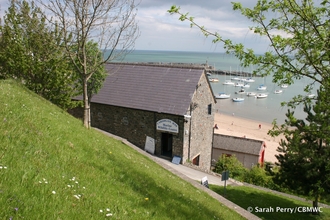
(167, 141)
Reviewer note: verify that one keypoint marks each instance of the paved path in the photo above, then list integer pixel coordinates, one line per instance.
(195, 174)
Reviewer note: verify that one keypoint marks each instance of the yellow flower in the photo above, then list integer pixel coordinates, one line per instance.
(146, 199)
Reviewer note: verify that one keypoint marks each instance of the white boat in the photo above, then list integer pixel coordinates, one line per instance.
(228, 82)
(261, 95)
(284, 86)
(235, 78)
(222, 95)
(251, 94)
(241, 91)
(262, 87)
(208, 74)
(250, 80)
(214, 80)
(239, 84)
(238, 99)
(246, 85)
(278, 91)
(311, 95)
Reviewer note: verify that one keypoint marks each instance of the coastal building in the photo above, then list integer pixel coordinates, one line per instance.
(249, 152)
(167, 111)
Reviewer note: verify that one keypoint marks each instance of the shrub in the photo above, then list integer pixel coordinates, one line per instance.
(235, 167)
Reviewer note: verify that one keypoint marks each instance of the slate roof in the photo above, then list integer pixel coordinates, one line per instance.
(237, 144)
(152, 88)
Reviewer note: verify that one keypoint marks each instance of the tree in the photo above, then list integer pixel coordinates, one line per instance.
(304, 157)
(95, 83)
(111, 23)
(298, 35)
(32, 53)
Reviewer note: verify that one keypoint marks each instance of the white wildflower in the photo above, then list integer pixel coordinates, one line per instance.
(69, 186)
(101, 210)
(0, 167)
(109, 214)
(108, 210)
(76, 196)
(53, 192)
(5, 167)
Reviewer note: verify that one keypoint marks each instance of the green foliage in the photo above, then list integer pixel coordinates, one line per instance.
(110, 23)
(258, 176)
(33, 54)
(51, 167)
(298, 36)
(297, 32)
(304, 155)
(94, 56)
(235, 167)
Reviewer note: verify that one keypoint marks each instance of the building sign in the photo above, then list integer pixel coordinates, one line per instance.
(167, 125)
(150, 145)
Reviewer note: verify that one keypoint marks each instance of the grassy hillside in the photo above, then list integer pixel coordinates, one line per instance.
(51, 167)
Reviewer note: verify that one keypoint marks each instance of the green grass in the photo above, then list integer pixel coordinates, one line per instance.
(245, 197)
(51, 167)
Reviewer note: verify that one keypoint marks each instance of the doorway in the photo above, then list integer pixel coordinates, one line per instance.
(166, 144)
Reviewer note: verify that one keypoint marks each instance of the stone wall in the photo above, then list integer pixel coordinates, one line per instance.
(202, 122)
(135, 125)
(194, 138)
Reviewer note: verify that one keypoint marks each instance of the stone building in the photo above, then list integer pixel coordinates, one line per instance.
(248, 151)
(169, 111)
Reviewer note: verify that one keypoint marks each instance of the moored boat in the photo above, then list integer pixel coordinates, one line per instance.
(249, 80)
(246, 85)
(311, 95)
(222, 95)
(251, 94)
(278, 91)
(238, 99)
(239, 84)
(228, 82)
(235, 78)
(262, 87)
(284, 86)
(214, 80)
(261, 95)
(241, 91)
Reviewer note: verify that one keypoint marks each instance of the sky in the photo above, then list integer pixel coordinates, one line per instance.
(161, 31)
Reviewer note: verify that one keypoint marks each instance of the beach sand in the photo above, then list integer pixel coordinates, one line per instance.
(240, 127)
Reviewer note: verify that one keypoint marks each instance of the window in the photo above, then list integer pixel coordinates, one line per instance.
(196, 161)
(209, 109)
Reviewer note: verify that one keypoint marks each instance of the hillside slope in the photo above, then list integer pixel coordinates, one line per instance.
(51, 167)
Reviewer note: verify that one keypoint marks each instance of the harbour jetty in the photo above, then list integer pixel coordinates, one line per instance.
(208, 68)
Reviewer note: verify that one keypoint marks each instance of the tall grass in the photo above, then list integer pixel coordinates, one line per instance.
(51, 167)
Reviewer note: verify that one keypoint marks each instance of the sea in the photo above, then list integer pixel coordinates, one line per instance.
(261, 110)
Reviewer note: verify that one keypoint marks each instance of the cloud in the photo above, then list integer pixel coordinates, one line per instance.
(160, 30)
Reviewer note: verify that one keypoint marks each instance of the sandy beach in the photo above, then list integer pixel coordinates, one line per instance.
(240, 127)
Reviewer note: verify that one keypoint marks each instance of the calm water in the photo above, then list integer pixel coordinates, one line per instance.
(265, 110)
